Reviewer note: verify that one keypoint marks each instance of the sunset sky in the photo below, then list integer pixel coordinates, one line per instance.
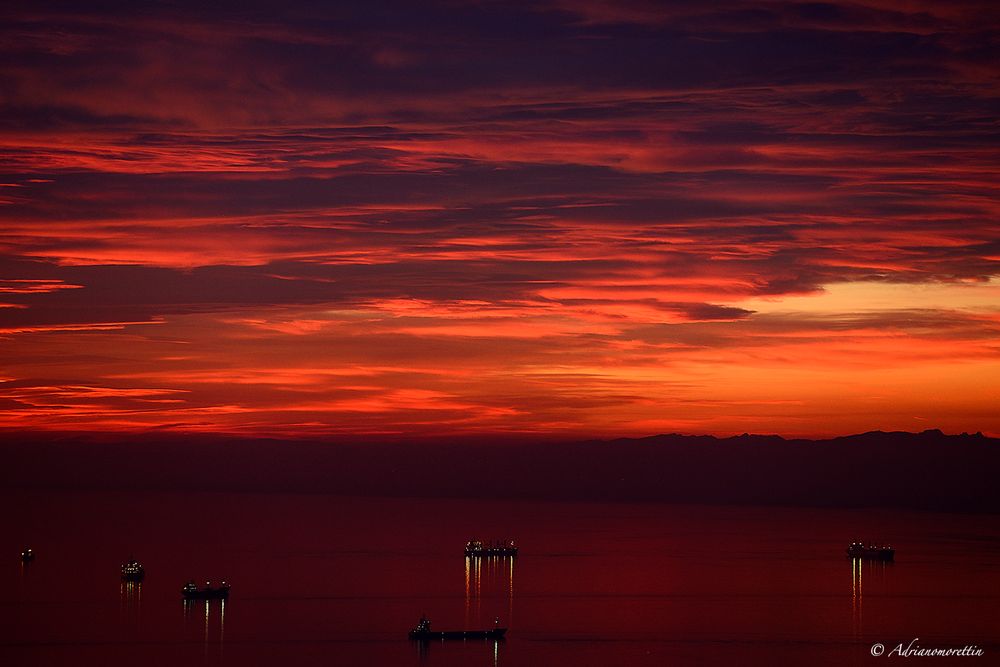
(565, 219)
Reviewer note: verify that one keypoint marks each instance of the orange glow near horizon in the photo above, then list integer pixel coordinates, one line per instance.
(244, 241)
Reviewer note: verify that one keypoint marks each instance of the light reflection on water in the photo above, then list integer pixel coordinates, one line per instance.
(871, 573)
(205, 623)
(131, 594)
(498, 583)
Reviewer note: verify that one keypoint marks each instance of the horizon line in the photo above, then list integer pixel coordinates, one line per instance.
(505, 437)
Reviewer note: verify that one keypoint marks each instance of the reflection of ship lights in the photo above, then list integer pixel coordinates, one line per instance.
(510, 594)
(203, 612)
(468, 573)
(488, 586)
(856, 568)
(131, 593)
(874, 570)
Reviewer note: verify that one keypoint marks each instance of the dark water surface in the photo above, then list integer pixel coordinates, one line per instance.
(321, 580)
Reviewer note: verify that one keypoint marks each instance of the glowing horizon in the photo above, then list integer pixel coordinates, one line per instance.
(584, 219)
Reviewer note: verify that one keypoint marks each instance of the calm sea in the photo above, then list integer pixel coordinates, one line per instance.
(321, 580)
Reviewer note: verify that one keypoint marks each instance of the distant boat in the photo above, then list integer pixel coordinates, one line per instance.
(476, 548)
(423, 632)
(27, 555)
(133, 571)
(208, 592)
(871, 551)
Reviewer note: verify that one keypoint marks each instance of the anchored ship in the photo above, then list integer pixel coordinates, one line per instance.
(133, 570)
(423, 632)
(27, 555)
(479, 548)
(208, 592)
(871, 551)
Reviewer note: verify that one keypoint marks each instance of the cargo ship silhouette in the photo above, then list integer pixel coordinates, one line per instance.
(423, 632)
(133, 570)
(192, 592)
(477, 548)
(871, 551)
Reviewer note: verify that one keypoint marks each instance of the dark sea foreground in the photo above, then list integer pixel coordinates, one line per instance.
(325, 580)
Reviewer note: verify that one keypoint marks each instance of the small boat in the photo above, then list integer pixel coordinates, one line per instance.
(133, 570)
(479, 549)
(192, 592)
(27, 555)
(423, 632)
(871, 551)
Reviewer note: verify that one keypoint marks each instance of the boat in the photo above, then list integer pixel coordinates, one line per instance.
(27, 555)
(133, 570)
(423, 632)
(479, 549)
(871, 551)
(208, 592)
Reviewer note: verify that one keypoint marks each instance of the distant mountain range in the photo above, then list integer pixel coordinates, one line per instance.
(928, 470)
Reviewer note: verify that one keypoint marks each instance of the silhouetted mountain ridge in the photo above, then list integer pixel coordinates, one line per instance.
(928, 470)
(757, 438)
